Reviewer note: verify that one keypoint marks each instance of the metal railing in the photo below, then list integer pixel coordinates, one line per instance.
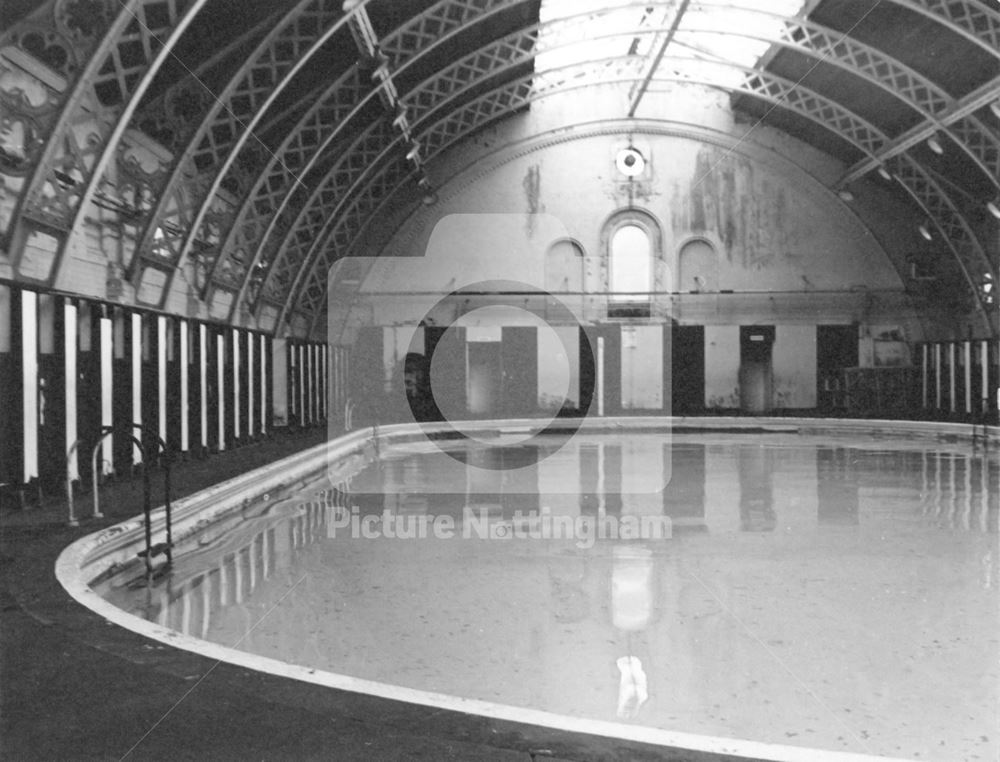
(151, 445)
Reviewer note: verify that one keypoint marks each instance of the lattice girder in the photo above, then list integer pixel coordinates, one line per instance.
(815, 40)
(342, 229)
(312, 291)
(512, 96)
(503, 100)
(441, 17)
(63, 174)
(949, 220)
(232, 116)
(314, 215)
(331, 117)
(874, 66)
(172, 117)
(972, 20)
(30, 105)
(350, 165)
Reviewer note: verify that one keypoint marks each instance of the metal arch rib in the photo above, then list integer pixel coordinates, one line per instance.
(498, 103)
(172, 196)
(974, 21)
(964, 129)
(482, 112)
(436, 18)
(816, 40)
(937, 11)
(277, 181)
(59, 135)
(807, 37)
(939, 110)
(204, 70)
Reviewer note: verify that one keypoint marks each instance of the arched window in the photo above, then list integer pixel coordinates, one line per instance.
(632, 242)
(630, 264)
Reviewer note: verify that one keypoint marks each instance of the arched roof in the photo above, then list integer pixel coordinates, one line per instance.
(281, 126)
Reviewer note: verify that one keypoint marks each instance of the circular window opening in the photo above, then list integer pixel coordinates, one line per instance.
(630, 162)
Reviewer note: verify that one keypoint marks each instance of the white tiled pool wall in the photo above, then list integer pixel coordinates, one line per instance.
(117, 546)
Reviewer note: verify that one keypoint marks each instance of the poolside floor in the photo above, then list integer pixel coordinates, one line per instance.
(73, 686)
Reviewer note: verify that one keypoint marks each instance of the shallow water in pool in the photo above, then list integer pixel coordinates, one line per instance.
(780, 588)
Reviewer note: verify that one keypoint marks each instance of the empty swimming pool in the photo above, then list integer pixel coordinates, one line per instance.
(800, 590)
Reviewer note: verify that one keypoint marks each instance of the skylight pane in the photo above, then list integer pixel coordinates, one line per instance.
(590, 30)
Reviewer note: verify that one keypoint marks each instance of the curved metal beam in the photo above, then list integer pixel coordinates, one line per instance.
(506, 99)
(971, 134)
(974, 21)
(169, 231)
(195, 90)
(812, 39)
(332, 114)
(36, 121)
(491, 107)
(64, 177)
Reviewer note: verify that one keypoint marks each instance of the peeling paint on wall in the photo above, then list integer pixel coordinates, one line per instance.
(532, 185)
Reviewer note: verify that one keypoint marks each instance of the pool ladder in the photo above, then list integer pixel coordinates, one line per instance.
(157, 445)
(151, 446)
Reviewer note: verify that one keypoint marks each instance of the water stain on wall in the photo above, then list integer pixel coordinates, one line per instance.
(729, 198)
(532, 185)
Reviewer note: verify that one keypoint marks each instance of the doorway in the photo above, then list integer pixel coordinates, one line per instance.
(756, 342)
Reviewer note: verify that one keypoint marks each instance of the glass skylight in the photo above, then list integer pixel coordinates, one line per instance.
(710, 32)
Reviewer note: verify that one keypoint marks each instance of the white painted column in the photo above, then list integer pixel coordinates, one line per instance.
(937, 376)
(325, 354)
(263, 384)
(107, 392)
(136, 383)
(310, 384)
(236, 383)
(599, 381)
(290, 394)
(69, 355)
(985, 371)
(250, 384)
(952, 388)
(303, 413)
(926, 361)
(203, 381)
(161, 376)
(182, 326)
(967, 352)
(220, 356)
(29, 383)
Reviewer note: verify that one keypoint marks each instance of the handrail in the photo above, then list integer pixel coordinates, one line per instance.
(145, 446)
(105, 431)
